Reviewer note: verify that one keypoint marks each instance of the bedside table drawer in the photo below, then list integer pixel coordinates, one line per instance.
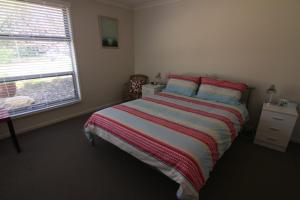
(276, 118)
(283, 127)
(273, 135)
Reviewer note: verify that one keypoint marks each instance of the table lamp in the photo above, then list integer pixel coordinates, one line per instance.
(270, 93)
(158, 79)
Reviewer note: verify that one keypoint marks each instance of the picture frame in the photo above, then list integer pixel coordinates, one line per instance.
(109, 30)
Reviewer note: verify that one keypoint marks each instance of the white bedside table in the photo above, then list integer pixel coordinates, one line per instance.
(276, 126)
(150, 89)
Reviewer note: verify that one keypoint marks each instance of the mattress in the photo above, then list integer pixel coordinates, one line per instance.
(183, 137)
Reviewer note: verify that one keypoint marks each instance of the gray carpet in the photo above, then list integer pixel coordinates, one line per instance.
(57, 163)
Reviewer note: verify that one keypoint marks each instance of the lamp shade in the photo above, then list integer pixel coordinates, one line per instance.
(158, 78)
(272, 90)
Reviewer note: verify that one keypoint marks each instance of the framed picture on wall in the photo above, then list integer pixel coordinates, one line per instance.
(109, 30)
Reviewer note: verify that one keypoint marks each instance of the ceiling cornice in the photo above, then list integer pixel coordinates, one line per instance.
(139, 6)
(154, 4)
(116, 4)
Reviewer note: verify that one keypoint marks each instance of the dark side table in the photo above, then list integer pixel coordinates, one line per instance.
(5, 118)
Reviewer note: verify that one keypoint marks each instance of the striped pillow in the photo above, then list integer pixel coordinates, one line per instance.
(184, 85)
(221, 91)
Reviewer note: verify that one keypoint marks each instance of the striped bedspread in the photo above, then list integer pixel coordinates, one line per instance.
(181, 136)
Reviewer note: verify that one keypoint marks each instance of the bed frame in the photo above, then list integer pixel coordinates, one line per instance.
(246, 96)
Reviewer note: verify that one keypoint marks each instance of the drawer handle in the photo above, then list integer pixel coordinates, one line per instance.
(278, 119)
(271, 139)
(274, 129)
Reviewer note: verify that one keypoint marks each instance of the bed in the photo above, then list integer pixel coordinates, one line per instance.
(183, 137)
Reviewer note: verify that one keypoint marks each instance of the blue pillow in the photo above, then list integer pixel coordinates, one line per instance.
(184, 85)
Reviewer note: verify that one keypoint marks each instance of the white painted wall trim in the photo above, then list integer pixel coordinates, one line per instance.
(57, 120)
(154, 4)
(138, 6)
(116, 4)
(296, 140)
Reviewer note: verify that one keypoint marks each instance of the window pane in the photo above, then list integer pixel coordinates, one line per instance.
(36, 56)
(36, 92)
(23, 18)
(23, 58)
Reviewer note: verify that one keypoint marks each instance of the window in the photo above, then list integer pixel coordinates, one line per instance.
(37, 62)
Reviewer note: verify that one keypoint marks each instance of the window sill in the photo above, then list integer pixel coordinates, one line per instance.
(49, 108)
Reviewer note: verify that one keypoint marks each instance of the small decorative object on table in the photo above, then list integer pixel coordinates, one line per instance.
(270, 93)
(276, 126)
(283, 103)
(151, 89)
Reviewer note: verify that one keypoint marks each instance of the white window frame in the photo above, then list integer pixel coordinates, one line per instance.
(65, 6)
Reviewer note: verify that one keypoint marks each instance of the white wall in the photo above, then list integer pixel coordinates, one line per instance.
(102, 72)
(246, 40)
(254, 41)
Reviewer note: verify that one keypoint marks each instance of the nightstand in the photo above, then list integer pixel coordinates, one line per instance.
(276, 126)
(150, 89)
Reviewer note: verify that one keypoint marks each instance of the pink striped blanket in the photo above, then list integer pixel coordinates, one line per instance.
(183, 137)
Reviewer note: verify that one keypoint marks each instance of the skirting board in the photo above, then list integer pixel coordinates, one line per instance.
(57, 120)
(54, 121)
(296, 140)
